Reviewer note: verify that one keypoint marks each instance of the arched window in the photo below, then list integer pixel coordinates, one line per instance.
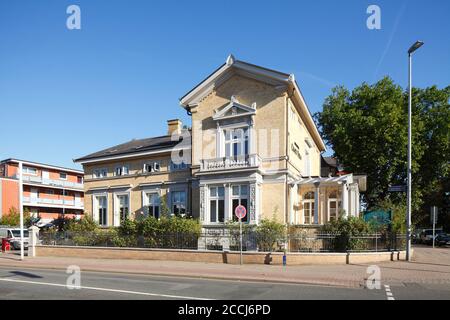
(309, 195)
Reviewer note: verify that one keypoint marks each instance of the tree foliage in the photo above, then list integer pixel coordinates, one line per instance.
(367, 129)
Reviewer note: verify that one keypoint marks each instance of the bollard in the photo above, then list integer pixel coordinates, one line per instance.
(33, 232)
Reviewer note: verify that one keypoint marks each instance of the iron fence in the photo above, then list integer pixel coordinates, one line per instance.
(229, 240)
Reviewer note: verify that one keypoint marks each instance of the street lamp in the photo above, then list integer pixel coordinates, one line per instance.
(411, 50)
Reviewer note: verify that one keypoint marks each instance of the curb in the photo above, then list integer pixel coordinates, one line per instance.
(341, 284)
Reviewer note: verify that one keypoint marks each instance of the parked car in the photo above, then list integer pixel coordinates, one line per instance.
(415, 236)
(426, 236)
(13, 235)
(442, 239)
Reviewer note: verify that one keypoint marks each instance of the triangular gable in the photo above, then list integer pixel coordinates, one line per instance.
(234, 109)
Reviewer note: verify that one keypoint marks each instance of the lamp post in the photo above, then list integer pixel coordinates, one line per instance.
(411, 50)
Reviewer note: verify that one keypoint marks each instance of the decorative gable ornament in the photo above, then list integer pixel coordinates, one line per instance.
(234, 109)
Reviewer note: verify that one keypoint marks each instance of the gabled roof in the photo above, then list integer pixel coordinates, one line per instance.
(273, 77)
(131, 148)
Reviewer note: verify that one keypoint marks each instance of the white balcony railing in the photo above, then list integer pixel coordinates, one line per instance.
(58, 202)
(230, 163)
(51, 182)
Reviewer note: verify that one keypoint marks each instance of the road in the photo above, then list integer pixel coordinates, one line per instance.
(18, 283)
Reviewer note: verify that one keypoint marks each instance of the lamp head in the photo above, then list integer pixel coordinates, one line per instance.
(415, 46)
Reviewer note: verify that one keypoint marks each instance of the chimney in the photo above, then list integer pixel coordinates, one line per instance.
(174, 125)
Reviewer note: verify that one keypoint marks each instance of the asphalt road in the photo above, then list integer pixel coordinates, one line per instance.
(51, 284)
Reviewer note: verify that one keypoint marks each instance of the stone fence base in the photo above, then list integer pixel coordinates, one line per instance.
(218, 256)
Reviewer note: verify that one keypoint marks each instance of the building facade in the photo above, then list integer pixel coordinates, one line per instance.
(253, 142)
(48, 191)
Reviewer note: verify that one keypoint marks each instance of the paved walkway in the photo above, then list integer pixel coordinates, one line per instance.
(429, 266)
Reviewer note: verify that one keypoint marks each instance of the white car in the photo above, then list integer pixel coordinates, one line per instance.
(13, 234)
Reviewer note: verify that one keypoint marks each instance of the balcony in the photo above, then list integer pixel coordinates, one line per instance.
(250, 161)
(53, 183)
(53, 202)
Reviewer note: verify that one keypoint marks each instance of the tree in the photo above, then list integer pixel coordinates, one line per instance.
(367, 129)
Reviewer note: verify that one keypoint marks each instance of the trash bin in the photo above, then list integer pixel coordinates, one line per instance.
(6, 246)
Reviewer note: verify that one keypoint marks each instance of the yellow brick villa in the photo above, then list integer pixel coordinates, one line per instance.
(252, 142)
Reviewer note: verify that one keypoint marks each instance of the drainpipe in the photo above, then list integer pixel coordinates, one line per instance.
(287, 211)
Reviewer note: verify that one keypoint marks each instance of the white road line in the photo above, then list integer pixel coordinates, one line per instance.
(389, 294)
(105, 289)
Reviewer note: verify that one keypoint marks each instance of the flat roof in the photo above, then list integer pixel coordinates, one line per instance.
(38, 164)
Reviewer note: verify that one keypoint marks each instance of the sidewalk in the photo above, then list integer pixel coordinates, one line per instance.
(430, 266)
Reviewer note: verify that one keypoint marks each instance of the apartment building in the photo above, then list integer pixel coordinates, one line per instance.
(253, 142)
(47, 192)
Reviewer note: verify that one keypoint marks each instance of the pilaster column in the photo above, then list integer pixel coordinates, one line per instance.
(202, 203)
(252, 203)
(316, 202)
(345, 199)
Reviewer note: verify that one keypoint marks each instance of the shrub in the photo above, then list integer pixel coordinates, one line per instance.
(347, 231)
(86, 224)
(128, 228)
(269, 233)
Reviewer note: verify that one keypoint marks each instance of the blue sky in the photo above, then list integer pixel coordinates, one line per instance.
(66, 93)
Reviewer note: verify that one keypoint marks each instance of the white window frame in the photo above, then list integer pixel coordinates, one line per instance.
(240, 197)
(100, 173)
(146, 203)
(307, 160)
(311, 205)
(122, 171)
(216, 198)
(96, 206)
(155, 166)
(63, 173)
(30, 171)
(117, 218)
(338, 203)
(172, 202)
(244, 139)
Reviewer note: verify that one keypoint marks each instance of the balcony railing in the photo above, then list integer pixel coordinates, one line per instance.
(58, 202)
(248, 161)
(51, 182)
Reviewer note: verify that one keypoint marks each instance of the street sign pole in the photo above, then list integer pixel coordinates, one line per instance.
(434, 217)
(240, 213)
(240, 235)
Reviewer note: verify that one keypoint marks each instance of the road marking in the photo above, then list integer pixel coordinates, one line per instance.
(389, 294)
(106, 289)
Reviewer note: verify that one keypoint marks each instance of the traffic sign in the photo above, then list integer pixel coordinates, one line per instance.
(397, 189)
(240, 212)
